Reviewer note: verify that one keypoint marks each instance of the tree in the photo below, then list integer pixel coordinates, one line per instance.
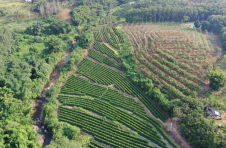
(81, 14)
(86, 39)
(161, 99)
(217, 79)
(2, 13)
(33, 50)
(57, 26)
(200, 132)
(42, 10)
(64, 143)
(6, 41)
(206, 26)
(197, 24)
(16, 119)
(186, 18)
(38, 28)
(54, 44)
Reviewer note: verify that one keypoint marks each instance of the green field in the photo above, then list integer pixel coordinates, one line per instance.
(106, 100)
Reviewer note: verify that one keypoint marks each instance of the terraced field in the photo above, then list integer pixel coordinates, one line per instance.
(105, 104)
(173, 56)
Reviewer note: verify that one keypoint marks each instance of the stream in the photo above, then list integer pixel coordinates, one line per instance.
(41, 101)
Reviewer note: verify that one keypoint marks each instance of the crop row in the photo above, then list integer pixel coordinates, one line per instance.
(75, 84)
(102, 59)
(117, 99)
(171, 81)
(114, 37)
(172, 73)
(103, 131)
(175, 66)
(120, 37)
(98, 36)
(94, 144)
(109, 39)
(82, 86)
(107, 76)
(171, 62)
(112, 96)
(113, 113)
(105, 50)
(185, 62)
(175, 92)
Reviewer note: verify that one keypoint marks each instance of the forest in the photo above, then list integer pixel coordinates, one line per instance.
(112, 73)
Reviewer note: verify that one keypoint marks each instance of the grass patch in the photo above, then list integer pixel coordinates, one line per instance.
(115, 51)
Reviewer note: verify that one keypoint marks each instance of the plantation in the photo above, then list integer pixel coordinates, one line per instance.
(112, 73)
(107, 76)
(105, 50)
(103, 59)
(109, 111)
(175, 59)
(110, 37)
(97, 36)
(116, 103)
(173, 56)
(103, 99)
(103, 131)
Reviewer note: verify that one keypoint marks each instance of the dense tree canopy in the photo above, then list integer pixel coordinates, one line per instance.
(15, 129)
(6, 41)
(217, 79)
(197, 24)
(54, 44)
(174, 10)
(199, 131)
(25, 67)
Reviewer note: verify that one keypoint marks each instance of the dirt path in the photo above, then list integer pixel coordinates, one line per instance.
(173, 127)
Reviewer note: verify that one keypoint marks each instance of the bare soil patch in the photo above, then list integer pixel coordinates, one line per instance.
(223, 120)
(65, 15)
(172, 127)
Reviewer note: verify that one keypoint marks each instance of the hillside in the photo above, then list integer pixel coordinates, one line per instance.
(112, 74)
(177, 57)
(99, 90)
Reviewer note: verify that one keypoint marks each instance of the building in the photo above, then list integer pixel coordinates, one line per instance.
(28, 1)
(213, 113)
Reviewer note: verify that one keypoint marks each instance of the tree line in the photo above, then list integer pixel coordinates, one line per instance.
(164, 10)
